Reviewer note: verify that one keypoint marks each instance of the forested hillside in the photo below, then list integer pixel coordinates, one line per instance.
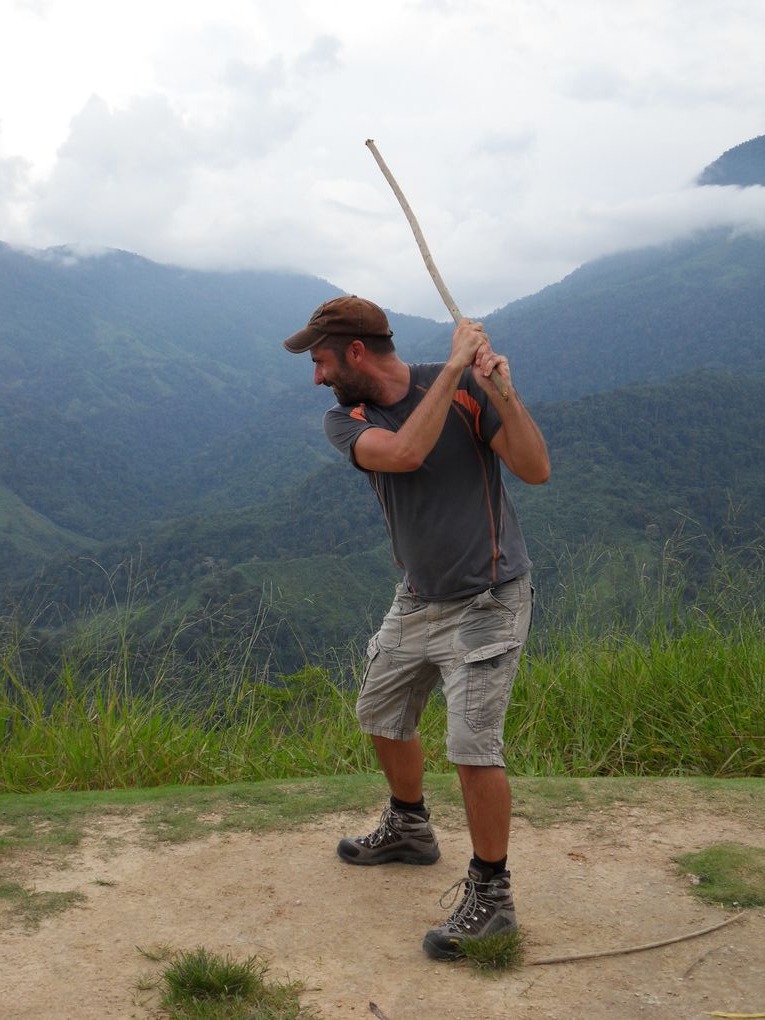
(114, 412)
(132, 391)
(741, 167)
(641, 316)
(631, 471)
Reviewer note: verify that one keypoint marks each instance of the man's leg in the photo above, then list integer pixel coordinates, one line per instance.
(397, 683)
(489, 637)
(403, 763)
(486, 793)
(403, 833)
(487, 907)
(490, 634)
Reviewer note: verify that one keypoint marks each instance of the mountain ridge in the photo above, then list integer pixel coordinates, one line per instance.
(741, 166)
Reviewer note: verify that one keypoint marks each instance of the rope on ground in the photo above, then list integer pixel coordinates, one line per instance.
(634, 949)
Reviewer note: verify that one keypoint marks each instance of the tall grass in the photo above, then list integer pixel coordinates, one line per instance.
(100, 734)
(675, 688)
(676, 704)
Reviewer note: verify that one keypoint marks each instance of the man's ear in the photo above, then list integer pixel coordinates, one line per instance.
(354, 352)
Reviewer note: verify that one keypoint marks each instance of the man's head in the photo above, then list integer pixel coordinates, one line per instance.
(337, 323)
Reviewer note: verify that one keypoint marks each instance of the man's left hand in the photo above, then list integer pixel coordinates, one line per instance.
(485, 362)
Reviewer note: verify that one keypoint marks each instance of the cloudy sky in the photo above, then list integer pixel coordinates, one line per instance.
(528, 135)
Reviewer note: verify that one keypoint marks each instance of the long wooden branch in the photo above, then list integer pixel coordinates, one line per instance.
(598, 954)
(443, 290)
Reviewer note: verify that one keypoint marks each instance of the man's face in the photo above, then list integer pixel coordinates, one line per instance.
(348, 384)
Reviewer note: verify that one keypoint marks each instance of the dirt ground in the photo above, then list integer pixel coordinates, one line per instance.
(353, 936)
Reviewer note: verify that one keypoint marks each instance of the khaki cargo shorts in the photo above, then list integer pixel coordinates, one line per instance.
(472, 645)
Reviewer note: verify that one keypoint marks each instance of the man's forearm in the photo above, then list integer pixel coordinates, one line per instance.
(519, 441)
(378, 449)
(419, 433)
(405, 450)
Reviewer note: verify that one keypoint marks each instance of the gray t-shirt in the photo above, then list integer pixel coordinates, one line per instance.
(452, 524)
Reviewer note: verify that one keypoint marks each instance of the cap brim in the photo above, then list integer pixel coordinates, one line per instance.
(304, 340)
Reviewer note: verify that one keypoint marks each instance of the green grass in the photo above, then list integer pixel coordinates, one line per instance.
(686, 704)
(501, 952)
(675, 691)
(727, 873)
(55, 823)
(202, 985)
(677, 704)
(30, 907)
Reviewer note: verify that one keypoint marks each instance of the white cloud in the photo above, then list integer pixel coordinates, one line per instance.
(528, 137)
(119, 174)
(37, 7)
(322, 55)
(675, 214)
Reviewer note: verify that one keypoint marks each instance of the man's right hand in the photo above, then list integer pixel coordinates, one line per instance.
(467, 339)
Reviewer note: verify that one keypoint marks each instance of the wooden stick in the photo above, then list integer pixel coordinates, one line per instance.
(597, 955)
(443, 290)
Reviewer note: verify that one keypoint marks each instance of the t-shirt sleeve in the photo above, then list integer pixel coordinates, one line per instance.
(343, 429)
(489, 420)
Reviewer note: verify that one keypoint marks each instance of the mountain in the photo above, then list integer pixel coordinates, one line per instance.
(131, 391)
(630, 469)
(741, 166)
(640, 317)
(26, 537)
(648, 314)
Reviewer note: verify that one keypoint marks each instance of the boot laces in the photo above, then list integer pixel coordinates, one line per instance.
(467, 912)
(384, 832)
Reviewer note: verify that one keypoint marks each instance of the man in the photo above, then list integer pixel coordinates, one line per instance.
(430, 439)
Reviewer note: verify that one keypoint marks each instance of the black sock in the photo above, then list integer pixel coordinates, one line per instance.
(489, 869)
(402, 805)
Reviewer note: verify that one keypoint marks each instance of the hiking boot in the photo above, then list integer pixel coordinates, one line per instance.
(404, 836)
(486, 909)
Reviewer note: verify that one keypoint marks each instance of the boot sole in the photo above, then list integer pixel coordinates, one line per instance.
(437, 951)
(439, 948)
(393, 858)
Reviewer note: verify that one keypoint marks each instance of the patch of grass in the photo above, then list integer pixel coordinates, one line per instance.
(728, 873)
(201, 985)
(56, 822)
(545, 801)
(21, 832)
(204, 975)
(32, 907)
(193, 813)
(503, 951)
(53, 820)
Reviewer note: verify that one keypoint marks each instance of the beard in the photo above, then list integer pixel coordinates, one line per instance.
(350, 390)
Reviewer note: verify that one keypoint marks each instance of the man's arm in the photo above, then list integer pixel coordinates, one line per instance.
(378, 449)
(518, 441)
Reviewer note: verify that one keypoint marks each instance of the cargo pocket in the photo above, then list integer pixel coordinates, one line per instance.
(373, 650)
(391, 634)
(490, 673)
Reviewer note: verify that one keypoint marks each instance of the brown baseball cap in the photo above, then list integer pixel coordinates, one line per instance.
(343, 316)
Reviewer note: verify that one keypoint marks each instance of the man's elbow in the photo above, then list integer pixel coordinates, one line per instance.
(406, 456)
(392, 462)
(409, 462)
(536, 474)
